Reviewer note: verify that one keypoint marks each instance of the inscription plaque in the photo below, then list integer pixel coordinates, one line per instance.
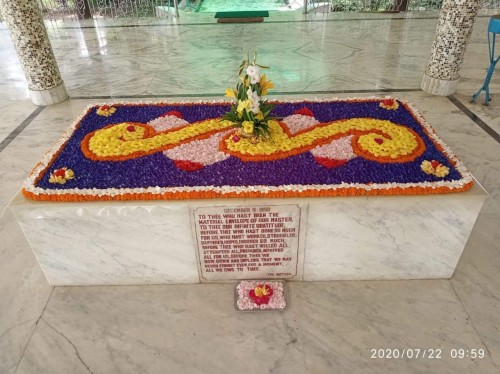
(247, 242)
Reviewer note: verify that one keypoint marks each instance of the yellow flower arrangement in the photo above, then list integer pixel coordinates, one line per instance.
(389, 104)
(61, 176)
(250, 112)
(106, 110)
(435, 168)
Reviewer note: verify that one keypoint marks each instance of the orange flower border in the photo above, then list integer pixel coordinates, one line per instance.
(30, 190)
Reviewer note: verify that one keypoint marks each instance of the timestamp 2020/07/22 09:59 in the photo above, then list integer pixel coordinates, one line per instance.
(429, 353)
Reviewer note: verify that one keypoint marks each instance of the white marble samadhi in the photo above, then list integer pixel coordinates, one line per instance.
(390, 237)
(152, 242)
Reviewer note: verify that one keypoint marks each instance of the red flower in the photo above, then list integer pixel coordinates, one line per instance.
(173, 113)
(261, 294)
(60, 173)
(304, 112)
(389, 104)
(187, 165)
(329, 162)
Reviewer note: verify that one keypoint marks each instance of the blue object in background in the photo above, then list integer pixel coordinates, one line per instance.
(493, 29)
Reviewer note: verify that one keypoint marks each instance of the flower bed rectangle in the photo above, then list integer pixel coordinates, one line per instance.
(339, 147)
(257, 295)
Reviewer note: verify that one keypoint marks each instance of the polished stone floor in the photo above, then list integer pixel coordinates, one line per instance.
(330, 327)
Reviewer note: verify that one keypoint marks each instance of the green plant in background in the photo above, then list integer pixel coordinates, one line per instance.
(383, 5)
(425, 4)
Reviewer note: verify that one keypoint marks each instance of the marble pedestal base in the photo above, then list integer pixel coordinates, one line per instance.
(51, 96)
(347, 238)
(439, 87)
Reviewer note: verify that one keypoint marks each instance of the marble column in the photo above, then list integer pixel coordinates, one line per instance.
(33, 48)
(452, 35)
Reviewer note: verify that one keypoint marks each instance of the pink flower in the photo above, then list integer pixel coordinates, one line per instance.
(261, 294)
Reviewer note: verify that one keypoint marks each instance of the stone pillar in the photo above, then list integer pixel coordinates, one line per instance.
(33, 48)
(452, 35)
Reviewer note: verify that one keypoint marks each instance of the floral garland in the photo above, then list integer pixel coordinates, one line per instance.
(319, 148)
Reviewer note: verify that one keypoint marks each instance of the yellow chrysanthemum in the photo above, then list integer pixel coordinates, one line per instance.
(259, 116)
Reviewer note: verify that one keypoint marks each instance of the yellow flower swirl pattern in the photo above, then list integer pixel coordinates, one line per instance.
(374, 139)
(128, 140)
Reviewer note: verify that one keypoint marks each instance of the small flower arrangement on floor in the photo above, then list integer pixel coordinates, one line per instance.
(61, 176)
(106, 110)
(251, 113)
(435, 168)
(260, 295)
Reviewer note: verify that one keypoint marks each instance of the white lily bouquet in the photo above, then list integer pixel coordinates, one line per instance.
(251, 112)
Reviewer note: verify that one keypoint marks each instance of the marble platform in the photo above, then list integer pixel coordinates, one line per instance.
(152, 242)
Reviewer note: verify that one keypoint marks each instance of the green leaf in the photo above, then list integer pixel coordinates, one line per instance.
(241, 92)
(230, 116)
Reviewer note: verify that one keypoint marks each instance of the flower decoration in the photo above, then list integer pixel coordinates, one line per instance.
(304, 112)
(435, 168)
(248, 127)
(174, 113)
(369, 149)
(61, 176)
(105, 110)
(389, 104)
(251, 113)
(260, 295)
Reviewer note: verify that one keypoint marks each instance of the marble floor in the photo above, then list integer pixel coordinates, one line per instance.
(329, 327)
